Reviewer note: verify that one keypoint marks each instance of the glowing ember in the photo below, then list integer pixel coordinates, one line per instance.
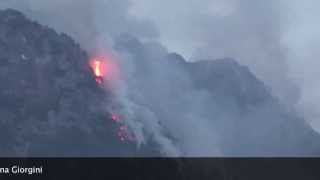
(123, 133)
(115, 118)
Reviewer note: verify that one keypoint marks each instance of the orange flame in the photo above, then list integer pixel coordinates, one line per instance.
(105, 70)
(97, 68)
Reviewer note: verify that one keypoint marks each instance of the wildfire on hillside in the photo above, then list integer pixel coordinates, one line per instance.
(105, 70)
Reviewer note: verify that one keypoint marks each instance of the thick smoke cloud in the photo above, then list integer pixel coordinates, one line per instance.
(256, 33)
(277, 40)
(249, 31)
(168, 106)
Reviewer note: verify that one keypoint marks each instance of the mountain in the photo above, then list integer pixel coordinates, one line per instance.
(214, 102)
(51, 105)
(253, 122)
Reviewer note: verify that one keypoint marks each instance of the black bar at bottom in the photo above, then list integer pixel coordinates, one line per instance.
(161, 168)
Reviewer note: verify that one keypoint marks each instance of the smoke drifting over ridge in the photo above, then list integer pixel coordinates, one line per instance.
(277, 40)
(248, 31)
(245, 30)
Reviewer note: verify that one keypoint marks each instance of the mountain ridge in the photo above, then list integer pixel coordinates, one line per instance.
(51, 105)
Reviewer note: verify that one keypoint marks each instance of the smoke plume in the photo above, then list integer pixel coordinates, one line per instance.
(275, 39)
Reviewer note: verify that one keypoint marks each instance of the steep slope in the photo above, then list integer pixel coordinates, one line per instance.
(50, 104)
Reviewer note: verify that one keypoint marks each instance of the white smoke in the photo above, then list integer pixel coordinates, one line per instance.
(303, 39)
(249, 31)
(162, 100)
(279, 50)
(276, 39)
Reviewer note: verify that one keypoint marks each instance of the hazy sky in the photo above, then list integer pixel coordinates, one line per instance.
(277, 39)
(249, 31)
